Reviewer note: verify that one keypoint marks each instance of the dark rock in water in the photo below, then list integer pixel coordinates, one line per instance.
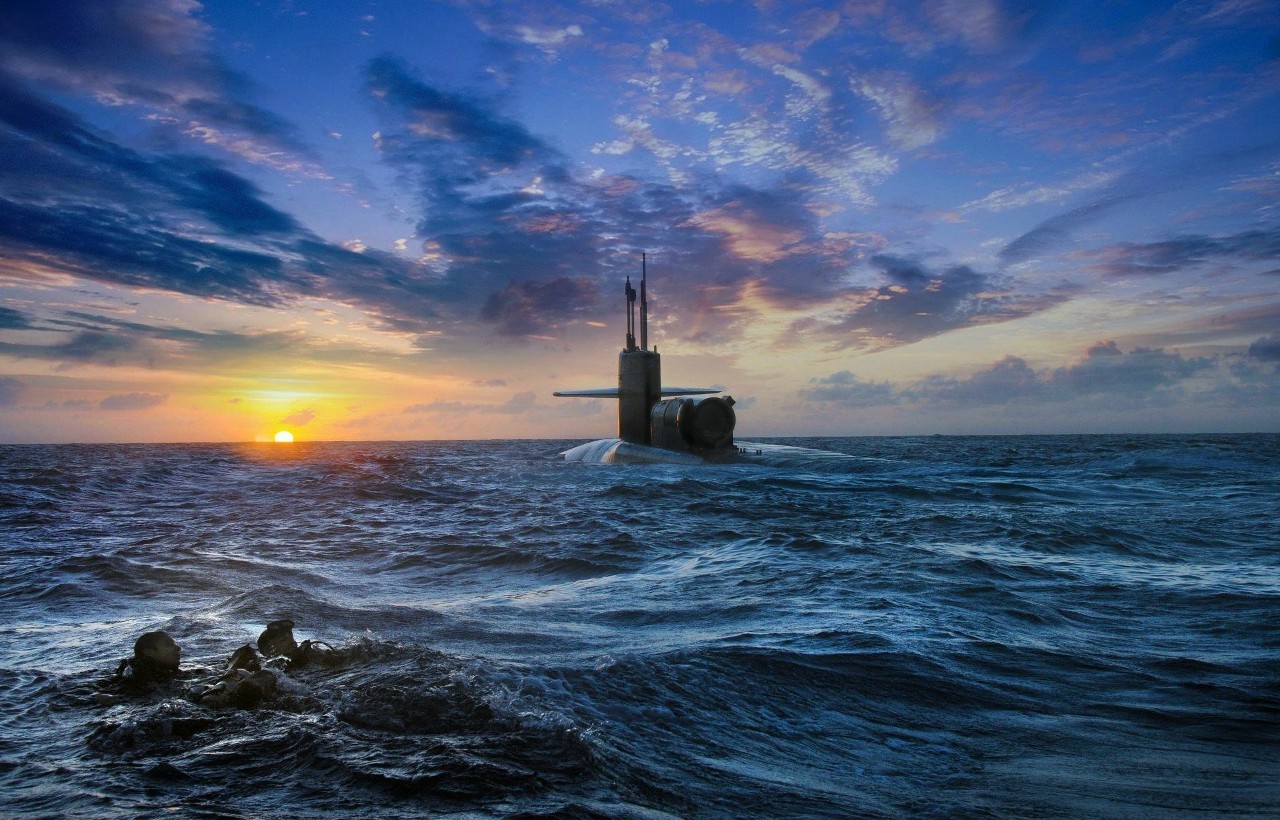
(277, 639)
(157, 652)
(246, 657)
(155, 658)
(309, 651)
(238, 688)
(250, 692)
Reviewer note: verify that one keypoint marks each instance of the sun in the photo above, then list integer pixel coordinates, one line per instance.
(284, 437)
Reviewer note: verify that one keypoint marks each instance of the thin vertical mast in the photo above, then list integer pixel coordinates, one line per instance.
(644, 304)
(631, 315)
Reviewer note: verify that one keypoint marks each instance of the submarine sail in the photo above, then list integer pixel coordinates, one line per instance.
(650, 416)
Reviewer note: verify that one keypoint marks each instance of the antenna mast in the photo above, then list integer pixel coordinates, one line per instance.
(631, 315)
(644, 304)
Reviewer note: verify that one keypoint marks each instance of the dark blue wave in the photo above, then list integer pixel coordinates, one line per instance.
(1004, 626)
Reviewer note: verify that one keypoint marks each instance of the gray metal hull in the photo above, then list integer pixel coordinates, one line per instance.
(617, 451)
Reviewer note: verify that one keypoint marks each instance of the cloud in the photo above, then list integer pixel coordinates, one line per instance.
(93, 346)
(133, 401)
(1106, 369)
(11, 319)
(758, 226)
(919, 302)
(233, 203)
(910, 118)
(497, 205)
(526, 308)
(152, 54)
(1266, 349)
(1058, 230)
(108, 244)
(981, 27)
(1009, 380)
(846, 389)
(1128, 188)
(522, 242)
(11, 391)
(1179, 253)
(300, 417)
(546, 37)
(86, 338)
(517, 405)
(1105, 375)
(124, 217)
(432, 118)
(177, 223)
(1024, 194)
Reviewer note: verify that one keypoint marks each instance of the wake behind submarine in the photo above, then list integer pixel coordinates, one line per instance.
(656, 424)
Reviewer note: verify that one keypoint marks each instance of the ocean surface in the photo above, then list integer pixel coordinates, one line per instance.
(1043, 626)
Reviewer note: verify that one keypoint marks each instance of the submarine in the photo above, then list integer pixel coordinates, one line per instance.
(657, 424)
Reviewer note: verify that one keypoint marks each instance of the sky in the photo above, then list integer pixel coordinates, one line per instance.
(414, 219)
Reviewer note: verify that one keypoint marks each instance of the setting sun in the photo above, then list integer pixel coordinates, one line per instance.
(284, 437)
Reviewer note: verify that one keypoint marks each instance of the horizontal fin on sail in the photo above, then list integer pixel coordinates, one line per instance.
(612, 392)
(598, 393)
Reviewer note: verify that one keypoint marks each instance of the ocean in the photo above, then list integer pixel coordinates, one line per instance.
(1039, 626)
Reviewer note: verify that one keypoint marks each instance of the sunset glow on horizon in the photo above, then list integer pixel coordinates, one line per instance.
(228, 222)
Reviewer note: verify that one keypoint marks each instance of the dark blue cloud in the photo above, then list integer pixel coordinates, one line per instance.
(124, 247)
(110, 340)
(93, 346)
(1184, 252)
(1060, 230)
(1266, 349)
(506, 217)
(11, 319)
(496, 202)
(123, 217)
(231, 202)
(919, 303)
(147, 52)
(523, 308)
(440, 117)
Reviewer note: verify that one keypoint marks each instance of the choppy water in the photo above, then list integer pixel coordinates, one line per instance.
(1021, 626)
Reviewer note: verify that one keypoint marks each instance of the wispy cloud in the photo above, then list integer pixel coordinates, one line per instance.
(1128, 259)
(1103, 375)
(919, 302)
(133, 401)
(154, 55)
(908, 115)
(300, 418)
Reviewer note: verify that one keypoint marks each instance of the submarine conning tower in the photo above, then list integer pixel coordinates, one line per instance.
(644, 417)
(703, 425)
(639, 369)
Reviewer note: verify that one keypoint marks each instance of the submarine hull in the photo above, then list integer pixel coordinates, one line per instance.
(617, 451)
